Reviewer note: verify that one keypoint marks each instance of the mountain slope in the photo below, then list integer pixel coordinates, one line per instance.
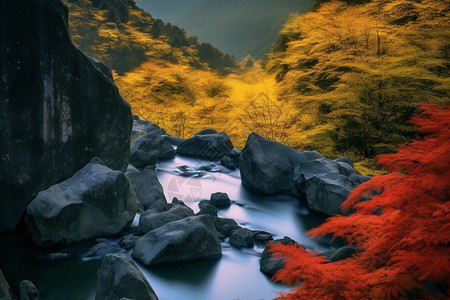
(120, 33)
(241, 27)
(167, 10)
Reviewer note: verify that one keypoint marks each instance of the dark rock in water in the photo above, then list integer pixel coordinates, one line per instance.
(55, 257)
(225, 226)
(118, 277)
(203, 203)
(262, 237)
(241, 238)
(207, 146)
(4, 288)
(220, 199)
(269, 265)
(229, 163)
(150, 220)
(146, 185)
(28, 291)
(103, 248)
(326, 184)
(150, 148)
(174, 140)
(267, 167)
(141, 127)
(58, 108)
(190, 239)
(95, 201)
(208, 209)
(128, 241)
(206, 131)
(341, 253)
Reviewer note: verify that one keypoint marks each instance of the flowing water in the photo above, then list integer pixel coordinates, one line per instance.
(235, 276)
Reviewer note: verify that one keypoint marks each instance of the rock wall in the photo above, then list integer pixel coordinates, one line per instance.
(58, 107)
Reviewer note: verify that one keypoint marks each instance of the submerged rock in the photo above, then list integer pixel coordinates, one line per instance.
(146, 185)
(190, 239)
(95, 201)
(206, 146)
(28, 291)
(58, 108)
(118, 277)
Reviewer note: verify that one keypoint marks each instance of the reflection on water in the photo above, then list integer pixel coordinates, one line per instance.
(235, 275)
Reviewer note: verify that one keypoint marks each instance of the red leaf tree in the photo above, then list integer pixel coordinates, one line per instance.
(403, 230)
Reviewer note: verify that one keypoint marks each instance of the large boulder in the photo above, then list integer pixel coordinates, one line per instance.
(326, 184)
(118, 277)
(58, 108)
(95, 201)
(190, 239)
(267, 167)
(146, 185)
(150, 220)
(211, 146)
(150, 148)
(142, 127)
(28, 291)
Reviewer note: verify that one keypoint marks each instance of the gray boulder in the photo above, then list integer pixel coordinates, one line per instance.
(118, 277)
(206, 131)
(142, 127)
(267, 167)
(151, 220)
(150, 148)
(225, 226)
(95, 201)
(146, 185)
(326, 184)
(269, 265)
(208, 209)
(174, 140)
(206, 146)
(58, 108)
(190, 239)
(220, 199)
(242, 238)
(28, 291)
(4, 288)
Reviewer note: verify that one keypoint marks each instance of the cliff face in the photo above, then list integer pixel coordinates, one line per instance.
(58, 107)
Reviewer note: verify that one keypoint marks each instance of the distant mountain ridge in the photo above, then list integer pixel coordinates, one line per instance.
(125, 36)
(237, 27)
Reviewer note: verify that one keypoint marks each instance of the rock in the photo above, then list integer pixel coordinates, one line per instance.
(207, 146)
(206, 131)
(269, 265)
(267, 167)
(150, 221)
(174, 140)
(203, 203)
(229, 163)
(118, 277)
(28, 291)
(208, 210)
(102, 248)
(4, 288)
(262, 237)
(190, 239)
(326, 184)
(95, 201)
(341, 253)
(241, 238)
(345, 159)
(220, 199)
(146, 185)
(69, 112)
(150, 148)
(225, 226)
(128, 241)
(141, 127)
